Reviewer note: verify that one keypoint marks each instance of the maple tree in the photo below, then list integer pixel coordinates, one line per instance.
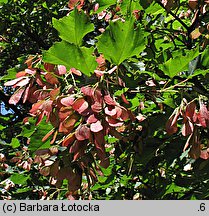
(116, 103)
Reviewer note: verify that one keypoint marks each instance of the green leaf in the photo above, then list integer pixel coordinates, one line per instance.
(173, 188)
(15, 143)
(20, 179)
(112, 139)
(36, 138)
(121, 41)
(205, 58)
(169, 102)
(128, 6)
(23, 190)
(151, 74)
(11, 74)
(120, 92)
(2, 127)
(135, 102)
(74, 27)
(124, 180)
(154, 9)
(107, 171)
(193, 197)
(162, 44)
(2, 45)
(28, 129)
(71, 56)
(3, 2)
(104, 4)
(36, 133)
(179, 63)
(199, 72)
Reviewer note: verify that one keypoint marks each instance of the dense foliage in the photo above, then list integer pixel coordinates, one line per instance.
(104, 99)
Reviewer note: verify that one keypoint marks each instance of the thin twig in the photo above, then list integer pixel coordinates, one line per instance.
(176, 85)
(175, 16)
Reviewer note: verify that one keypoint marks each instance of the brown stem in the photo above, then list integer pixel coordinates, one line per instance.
(175, 16)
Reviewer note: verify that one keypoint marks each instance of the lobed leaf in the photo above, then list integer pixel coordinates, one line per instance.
(74, 27)
(38, 133)
(121, 40)
(104, 4)
(179, 63)
(71, 56)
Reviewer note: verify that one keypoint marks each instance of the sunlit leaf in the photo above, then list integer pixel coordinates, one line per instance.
(71, 56)
(120, 41)
(74, 27)
(179, 63)
(15, 143)
(20, 179)
(104, 4)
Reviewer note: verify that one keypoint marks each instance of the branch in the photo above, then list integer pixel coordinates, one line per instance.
(176, 85)
(195, 21)
(174, 15)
